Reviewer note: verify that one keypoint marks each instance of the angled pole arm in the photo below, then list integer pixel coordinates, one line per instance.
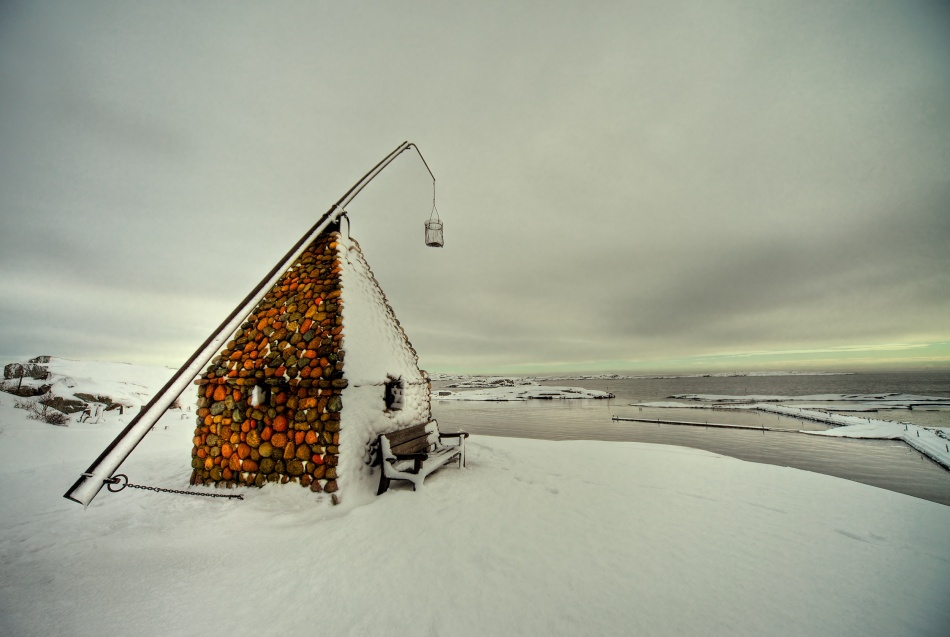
(101, 470)
(378, 168)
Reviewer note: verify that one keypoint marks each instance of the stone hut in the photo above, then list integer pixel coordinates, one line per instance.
(309, 380)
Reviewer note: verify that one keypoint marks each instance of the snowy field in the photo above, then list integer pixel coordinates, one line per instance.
(533, 538)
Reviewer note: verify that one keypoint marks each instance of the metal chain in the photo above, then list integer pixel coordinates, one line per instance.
(119, 477)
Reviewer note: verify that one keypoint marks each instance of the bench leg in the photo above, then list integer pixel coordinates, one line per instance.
(383, 482)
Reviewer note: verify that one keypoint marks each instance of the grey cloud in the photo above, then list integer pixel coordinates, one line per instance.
(621, 181)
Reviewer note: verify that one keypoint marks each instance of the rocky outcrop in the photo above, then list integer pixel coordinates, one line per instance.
(32, 369)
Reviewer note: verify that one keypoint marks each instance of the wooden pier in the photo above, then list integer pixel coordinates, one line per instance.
(687, 423)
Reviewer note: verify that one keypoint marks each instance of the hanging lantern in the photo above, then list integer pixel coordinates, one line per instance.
(434, 230)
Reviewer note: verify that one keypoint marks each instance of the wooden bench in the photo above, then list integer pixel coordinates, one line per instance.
(415, 452)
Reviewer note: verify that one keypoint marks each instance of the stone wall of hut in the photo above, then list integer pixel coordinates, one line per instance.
(269, 403)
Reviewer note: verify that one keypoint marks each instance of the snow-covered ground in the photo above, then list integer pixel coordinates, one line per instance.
(533, 538)
(128, 385)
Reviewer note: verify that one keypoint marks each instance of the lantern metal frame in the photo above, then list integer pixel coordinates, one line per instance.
(434, 237)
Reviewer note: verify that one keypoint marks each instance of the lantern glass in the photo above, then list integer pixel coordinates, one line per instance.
(434, 233)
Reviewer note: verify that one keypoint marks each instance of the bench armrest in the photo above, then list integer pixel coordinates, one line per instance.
(461, 436)
(417, 459)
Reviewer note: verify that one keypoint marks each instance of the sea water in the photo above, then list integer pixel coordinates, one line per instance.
(888, 464)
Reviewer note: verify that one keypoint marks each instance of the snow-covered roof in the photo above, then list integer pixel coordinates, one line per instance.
(377, 346)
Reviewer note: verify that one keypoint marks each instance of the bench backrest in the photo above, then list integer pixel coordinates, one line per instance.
(416, 439)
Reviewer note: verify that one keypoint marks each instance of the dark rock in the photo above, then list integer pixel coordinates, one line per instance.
(27, 370)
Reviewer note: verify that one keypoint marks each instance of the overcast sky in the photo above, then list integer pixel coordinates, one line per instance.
(625, 186)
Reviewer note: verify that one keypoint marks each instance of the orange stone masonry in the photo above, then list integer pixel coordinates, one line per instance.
(269, 403)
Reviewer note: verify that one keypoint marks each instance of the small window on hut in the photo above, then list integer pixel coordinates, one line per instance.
(393, 394)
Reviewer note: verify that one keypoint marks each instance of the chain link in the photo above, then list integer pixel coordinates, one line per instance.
(119, 477)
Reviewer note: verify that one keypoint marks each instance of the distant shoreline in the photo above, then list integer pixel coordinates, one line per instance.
(440, 377)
